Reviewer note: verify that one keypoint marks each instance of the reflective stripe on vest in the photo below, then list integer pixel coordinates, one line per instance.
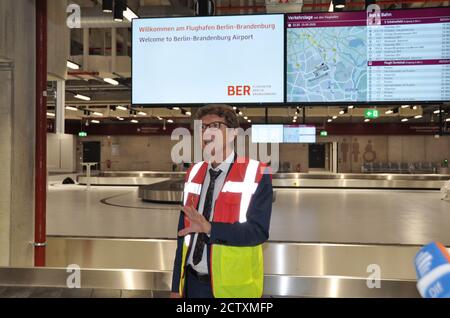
(246, 188)
(190, 186)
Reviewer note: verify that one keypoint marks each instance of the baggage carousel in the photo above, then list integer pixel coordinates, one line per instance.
(286, 180)
(291, 270)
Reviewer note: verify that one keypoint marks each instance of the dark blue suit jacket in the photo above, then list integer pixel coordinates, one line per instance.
(253, 232)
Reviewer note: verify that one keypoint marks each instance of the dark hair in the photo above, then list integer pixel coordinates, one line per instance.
(221, 110)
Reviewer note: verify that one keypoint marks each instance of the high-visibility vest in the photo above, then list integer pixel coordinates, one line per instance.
(235, 271)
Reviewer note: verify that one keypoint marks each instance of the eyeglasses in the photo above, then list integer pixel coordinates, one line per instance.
(213, 125)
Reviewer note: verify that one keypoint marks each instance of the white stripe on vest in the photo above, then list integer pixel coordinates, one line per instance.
(192, 187)
(246, 188)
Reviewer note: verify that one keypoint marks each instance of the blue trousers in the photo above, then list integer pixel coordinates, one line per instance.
(197, 289)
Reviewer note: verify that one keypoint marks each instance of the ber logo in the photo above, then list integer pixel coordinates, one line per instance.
(239, 90)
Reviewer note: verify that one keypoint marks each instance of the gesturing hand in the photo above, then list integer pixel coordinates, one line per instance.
(198, 223)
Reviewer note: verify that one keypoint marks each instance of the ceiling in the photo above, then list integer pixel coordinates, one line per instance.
(106, 97)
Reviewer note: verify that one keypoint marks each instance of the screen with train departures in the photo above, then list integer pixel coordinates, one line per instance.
(399, 55)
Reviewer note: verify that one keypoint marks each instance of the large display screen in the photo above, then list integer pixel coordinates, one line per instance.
(219, 59)
(401, 55)
(275, 133)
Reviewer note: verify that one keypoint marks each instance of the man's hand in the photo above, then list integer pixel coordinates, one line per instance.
(198, 223)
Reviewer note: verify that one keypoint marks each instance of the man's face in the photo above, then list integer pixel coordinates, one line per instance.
(215, 136)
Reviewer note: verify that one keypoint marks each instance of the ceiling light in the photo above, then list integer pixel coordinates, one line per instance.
(234, 107)
(415, 107)
(129, 14)
(119, 118)
(405, 106)
(188, 113)
(134, 121)
(448, 119)
(249, 121)
(339, 4)
(170, 121)
(366, 120)
(404, 119)
(119, 8)
(176, 108)
(97, 114)
(121, 108)
(436, 111)
(94, 121)
(142, 113)
(334, 117)
(71, 108)
(82, 97)
(107, 6)
(388, 112)
(418, 116)
(351, 107)
(72, 65)
(245, 117)
(111, 81)
(159, 118)
(329, 120)
(240, 113)
(51, 114)
(341, 112)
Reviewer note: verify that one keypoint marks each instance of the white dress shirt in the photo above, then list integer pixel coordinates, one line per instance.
(202, 266)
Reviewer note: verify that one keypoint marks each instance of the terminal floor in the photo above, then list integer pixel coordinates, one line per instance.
(299, 215)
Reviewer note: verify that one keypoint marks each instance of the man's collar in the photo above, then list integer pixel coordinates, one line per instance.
(225, 165)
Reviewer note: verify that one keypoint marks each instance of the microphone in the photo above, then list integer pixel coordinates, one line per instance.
(432, 264)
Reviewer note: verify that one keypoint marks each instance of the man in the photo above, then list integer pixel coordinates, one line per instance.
(227, 206)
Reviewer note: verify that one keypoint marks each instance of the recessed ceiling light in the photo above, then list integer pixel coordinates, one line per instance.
(82, 97)
(404, 119)
(170, 121)
(72, 65)
(111, 81)
(95, 121)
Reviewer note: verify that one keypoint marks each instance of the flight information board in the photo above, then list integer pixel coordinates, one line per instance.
(404, 55)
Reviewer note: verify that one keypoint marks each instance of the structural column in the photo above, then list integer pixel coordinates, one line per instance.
(60, 106)
(17, 136)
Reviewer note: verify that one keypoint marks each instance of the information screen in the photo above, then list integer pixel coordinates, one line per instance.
(283, 134)
(221, 59)
(299, 134)
(401, 55)
(267, 133)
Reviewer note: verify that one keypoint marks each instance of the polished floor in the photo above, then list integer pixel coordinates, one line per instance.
(305, 215)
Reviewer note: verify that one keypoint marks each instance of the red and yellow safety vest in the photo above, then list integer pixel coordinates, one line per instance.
(235, 271)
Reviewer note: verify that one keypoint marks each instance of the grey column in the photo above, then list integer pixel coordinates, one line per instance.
(60, 106)
(17, 115)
